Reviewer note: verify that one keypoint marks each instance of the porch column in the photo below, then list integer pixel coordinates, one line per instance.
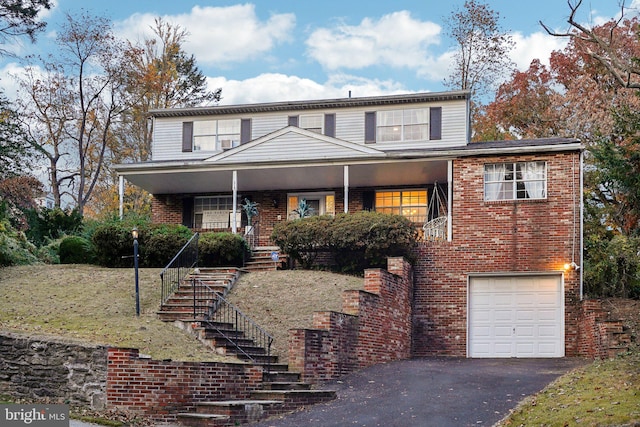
(346, 188)
(121, 195)
(234, 186)
(449, 198)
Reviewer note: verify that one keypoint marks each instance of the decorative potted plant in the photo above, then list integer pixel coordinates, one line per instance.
(304, 209)
(250, 209)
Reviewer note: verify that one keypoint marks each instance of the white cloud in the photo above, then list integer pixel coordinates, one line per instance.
(219, 35)
(395, 40)
(537, 45)
(273, 87)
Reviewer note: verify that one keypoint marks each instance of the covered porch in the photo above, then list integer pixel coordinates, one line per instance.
(208, 196)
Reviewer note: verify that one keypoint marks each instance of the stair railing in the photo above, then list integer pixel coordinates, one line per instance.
(217, 310)
(179, 267)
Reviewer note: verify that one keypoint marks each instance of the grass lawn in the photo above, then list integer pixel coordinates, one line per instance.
(604, 393)
(92, 304)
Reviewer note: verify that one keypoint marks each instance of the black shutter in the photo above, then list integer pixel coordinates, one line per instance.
(370, 127)
(330, 125)
(435, 123)
(245, 131)
(368, 200)
(293, 120)
(187, 137)
(187, 212)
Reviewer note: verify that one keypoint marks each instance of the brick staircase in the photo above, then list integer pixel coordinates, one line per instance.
(261, 259)
(179, 307)
(282, 391)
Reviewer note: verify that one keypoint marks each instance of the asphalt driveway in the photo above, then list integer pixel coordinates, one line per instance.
(430, 392)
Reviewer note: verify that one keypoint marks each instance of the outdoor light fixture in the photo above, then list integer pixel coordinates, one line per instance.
(571, 266)
(134, 234)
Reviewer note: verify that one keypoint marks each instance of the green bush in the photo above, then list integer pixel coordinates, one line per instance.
(305, 238)
(157, 243)
(14, 247)
(49, 253)
(161, 242)
(222, 250)
(50, 224)
(355, 241)
(76, 250)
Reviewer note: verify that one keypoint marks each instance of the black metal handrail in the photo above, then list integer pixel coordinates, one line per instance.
(217, 312)
(179, 267)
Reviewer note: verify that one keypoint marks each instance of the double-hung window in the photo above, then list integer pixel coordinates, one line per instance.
(215, 135)
(403, 125)
(515, 181)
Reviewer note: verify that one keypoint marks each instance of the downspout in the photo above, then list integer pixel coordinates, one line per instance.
(234, 186)
(121, 195)
(449, 199)
(581, 224)
(346, 188)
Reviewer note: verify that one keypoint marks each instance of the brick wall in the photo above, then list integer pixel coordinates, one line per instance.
(160, 389)
(600, 336)
(166, 209)
(497, 237)
(374, 327)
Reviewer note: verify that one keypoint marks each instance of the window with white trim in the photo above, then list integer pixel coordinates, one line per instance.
(320, 203)
(403, 125)
(515, 181)
(411, 204)
(215, 135)
(312, 122)
(212, 212)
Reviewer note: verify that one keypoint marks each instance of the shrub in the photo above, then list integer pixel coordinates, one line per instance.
(50, 224)
(222, 250)
(162, 243)
(157, 243)
(76, 250)
(304, 239)
(366, 239)
(49, 253)
(356, 241)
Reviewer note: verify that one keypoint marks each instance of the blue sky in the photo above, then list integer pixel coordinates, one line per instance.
(277, 50)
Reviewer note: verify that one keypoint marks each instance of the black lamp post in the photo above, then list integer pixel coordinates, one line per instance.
(134, 233)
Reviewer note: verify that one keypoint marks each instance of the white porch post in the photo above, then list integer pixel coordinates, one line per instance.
(449, 198)
(346, 188)
(121, 195)
(234, 186)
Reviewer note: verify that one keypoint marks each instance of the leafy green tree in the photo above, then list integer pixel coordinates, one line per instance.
(16, 152)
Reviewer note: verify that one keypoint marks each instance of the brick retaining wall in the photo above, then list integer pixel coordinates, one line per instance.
(160, 389)
(374, 327)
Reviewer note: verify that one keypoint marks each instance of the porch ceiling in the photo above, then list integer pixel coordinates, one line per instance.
(166, 180)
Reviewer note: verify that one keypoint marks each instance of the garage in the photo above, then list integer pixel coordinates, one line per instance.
(516, 316)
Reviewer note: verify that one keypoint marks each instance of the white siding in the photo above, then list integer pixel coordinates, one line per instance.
(264, 124)
(167, 138)
(350, 125)
(292, 146)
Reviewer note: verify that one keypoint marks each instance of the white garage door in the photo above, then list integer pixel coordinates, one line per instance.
(516, 316)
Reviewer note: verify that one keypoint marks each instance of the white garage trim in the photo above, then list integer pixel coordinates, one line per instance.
(515, 315)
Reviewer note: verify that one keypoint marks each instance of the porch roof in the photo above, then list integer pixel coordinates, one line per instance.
(367, 167)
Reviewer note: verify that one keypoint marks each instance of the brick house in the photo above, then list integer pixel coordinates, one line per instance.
(498, 270)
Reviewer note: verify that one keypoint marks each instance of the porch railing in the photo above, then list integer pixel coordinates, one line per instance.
(229, 322)
(179, 267)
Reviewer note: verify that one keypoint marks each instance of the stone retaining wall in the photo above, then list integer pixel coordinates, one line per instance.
(53, 370)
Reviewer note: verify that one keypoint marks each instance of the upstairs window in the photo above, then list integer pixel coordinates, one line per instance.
(312, 122)
(215, 135)
(515, 181)
(403, 125)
